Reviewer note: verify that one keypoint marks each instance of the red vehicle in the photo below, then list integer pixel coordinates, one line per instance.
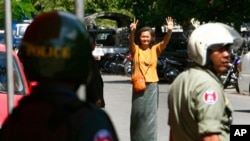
(21, 87)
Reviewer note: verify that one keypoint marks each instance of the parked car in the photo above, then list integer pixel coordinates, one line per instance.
(177, 45)
(174, 59)
(2, 37)
(18, 32)
(109, 40)
(244, 74)
(21, 87)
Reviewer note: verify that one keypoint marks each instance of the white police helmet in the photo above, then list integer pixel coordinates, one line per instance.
(209, 35)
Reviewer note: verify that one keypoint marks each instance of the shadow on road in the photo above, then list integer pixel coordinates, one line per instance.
(117, 81)
(242, 111)
(129, 81)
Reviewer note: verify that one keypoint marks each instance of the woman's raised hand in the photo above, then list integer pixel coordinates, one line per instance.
(170, 23)
(133, 25)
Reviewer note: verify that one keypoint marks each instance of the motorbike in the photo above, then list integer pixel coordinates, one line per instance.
(106, 61)
(117, 63)
(170, 67)
(230, 78)
(128, 65)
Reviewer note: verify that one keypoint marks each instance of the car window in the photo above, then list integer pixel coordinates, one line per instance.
(101, 38)
(105, 38)
(3, 74)
(22, 30)
(177, 46)
(18, 81)
(2, 39)
(177, 43)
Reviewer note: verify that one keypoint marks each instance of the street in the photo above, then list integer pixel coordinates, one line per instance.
(118, 92)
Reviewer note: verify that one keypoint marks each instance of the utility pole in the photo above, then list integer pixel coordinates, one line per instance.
(79, 8)
(9, 58)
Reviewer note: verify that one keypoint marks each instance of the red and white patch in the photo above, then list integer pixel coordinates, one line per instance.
(210, 97)
(103, 135)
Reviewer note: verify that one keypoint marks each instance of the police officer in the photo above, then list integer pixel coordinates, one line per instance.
(198, 108)
(55, 52)
(95, 85)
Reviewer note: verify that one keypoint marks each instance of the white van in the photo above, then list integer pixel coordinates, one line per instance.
(244, 74)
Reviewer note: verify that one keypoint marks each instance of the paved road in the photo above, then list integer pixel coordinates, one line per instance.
(117, 93)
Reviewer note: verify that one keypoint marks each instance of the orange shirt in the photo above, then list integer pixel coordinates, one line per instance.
(147, 60)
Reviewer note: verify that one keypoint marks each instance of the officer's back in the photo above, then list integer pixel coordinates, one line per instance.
(55, 52)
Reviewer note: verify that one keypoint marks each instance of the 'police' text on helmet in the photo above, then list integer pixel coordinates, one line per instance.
(55, 48)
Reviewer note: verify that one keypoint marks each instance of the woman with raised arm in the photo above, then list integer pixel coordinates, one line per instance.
(143, 124)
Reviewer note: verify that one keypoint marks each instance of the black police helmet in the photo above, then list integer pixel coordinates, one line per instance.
(56, 46)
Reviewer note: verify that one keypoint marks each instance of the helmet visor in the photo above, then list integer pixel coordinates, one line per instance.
(220, 47)
(235, 45)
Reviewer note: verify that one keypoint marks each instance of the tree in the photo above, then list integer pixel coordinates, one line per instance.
(227, 11)
(116, 6)
(21, 9)
(27, 8)
(145, 12)
(119, 6)
(151, 13)
(49, 5)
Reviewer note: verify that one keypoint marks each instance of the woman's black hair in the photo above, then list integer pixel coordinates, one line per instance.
(143, 29)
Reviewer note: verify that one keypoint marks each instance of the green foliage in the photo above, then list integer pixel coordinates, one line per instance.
(20, 9)
(117, 6)
(106, 23)
(227, 11)
(1, 14)
(145, 12)
(148, 12)
(50, 5)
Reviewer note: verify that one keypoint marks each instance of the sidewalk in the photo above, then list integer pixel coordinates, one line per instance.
(117, 94)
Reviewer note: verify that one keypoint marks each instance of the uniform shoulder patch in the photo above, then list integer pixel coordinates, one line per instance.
(210, 97)
(103, 135)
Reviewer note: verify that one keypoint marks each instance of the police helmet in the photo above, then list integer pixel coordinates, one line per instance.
(56, 46)
(209, 35)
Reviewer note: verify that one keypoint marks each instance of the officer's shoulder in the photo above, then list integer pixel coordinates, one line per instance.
(89, 109)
